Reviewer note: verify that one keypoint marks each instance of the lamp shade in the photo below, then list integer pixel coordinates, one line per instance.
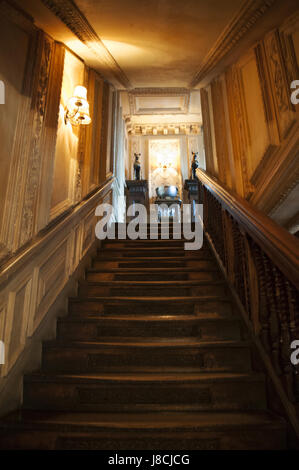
(77, 110)
(80, 92)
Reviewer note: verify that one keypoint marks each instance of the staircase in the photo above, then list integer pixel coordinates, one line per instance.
(152, 355)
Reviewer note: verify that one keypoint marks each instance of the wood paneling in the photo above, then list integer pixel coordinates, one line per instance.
(263, 123)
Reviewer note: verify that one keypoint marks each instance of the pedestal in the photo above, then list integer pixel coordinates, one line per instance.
(137, 193)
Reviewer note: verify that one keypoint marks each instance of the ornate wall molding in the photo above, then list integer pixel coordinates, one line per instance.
(32, 280)
(34, 163)
(139, 93)
(49, 135)
(161, 128)
(239, 126)
(279, 82)
(72, 17)
(220, 129)
(207, 130)
(279, 175)
(104, 131)
(21, 149)
(250, 12)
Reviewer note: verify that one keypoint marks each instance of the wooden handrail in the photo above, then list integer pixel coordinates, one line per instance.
(281, 247)
(9, 267)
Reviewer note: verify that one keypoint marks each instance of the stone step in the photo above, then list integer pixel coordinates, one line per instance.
(151, 274)
(163, 392)
(161, 262)
(150, 288)
(208, 327)
(152, 305)
(246, 430)
(94, 357)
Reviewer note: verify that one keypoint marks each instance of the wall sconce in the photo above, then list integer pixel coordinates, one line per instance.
(77, 109)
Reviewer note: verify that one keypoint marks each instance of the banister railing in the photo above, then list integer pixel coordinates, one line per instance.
(261, 262)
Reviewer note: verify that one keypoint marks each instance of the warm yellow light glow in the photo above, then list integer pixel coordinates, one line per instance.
(77, 111)
(164, 156)
(82, 117)
(80, 92)
(124, 50)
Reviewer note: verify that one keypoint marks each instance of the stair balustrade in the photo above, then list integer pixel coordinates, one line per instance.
(260, 261)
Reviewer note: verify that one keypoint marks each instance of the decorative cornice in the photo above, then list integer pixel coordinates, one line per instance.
(189, 128)
(160, 92)
(250, 12)
(71, 16)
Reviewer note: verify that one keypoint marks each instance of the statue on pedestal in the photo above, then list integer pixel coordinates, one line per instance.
(194, 165)
(137, 166)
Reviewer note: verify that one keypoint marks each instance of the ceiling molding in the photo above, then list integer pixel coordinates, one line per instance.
(71, 16)
(180, 128)
(241, 24)
(138, 94)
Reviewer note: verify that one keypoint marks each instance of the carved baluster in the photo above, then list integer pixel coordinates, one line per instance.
(264, 314)
(285, 339)
(245, 272)
(293, 304)
(274, 316)
(239, 270)
(229, 247)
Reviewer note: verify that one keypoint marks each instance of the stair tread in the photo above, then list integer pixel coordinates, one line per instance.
(154, 343)
(163, 377)
(181, 299)
(169, 269)
(141, 396)
(83, 318)
(137, 259)
(204, 421)
(192, 282)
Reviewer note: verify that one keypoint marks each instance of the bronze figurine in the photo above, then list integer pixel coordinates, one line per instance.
(137, 166)
(194, 165)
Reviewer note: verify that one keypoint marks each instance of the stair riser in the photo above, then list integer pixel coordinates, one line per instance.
(155, 263)
(123, 245)
(63, 360)
(142, 276)
(99, 330)
(141, 291)
(121, 397)
(151, 308)
(253, 438)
